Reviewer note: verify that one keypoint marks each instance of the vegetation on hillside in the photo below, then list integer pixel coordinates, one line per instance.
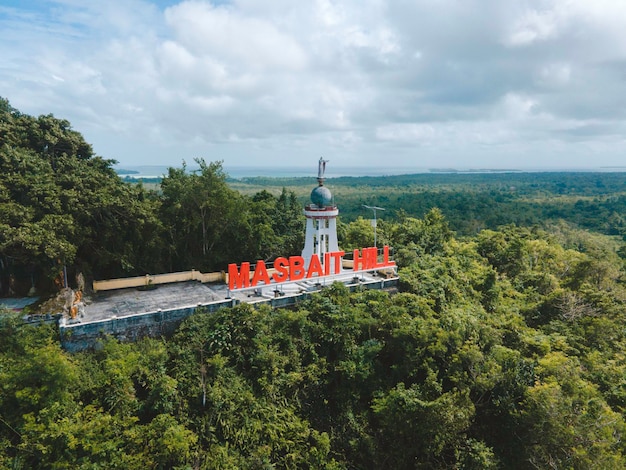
(504, 349)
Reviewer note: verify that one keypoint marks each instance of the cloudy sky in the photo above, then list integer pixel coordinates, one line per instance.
(396, 83)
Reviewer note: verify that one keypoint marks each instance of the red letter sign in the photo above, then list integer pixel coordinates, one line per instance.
(238, 279)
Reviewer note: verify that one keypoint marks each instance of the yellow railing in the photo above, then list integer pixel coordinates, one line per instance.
(149, 280)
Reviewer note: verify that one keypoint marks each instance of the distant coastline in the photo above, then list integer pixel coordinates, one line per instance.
(474, 170)
(145, 172)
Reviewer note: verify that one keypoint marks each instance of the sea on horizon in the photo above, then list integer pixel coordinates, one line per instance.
(158, 171)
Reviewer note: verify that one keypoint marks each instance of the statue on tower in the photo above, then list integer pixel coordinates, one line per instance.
(321, 196)
(321, 168)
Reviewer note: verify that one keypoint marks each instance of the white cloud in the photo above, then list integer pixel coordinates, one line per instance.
(555, 75)
(357, 78)
(534, 26)
(255, 43)
(518, 107)
(411, 132)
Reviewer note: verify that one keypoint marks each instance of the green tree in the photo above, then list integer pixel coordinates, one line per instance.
(201, 214)
(61, 204)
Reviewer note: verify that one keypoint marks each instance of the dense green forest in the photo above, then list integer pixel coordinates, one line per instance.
(505, 347)
(475, 201)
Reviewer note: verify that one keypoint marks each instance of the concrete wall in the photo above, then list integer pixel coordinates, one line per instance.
(76, 336)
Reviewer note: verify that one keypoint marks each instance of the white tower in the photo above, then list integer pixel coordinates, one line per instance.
(321, 223)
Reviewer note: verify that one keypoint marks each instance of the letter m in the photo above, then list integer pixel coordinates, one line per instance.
(238, 279)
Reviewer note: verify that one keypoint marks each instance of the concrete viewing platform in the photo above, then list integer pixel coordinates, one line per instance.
(131, 313)
(136, 301)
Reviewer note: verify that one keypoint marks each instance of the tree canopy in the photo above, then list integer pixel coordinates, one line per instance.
(503, 350)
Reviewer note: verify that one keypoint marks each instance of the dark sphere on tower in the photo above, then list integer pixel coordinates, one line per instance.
(321, 196)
